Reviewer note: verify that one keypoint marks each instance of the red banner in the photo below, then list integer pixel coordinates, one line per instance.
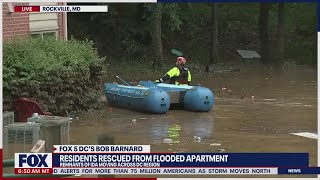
(27, 9)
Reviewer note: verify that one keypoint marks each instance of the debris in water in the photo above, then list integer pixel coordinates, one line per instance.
(223, 89)
(223, 117)
(142, 118)
(252, 98)
(221, 150)
(307, 105)
(197, 139)
(157, 141)
(134, 120)
(266, 79)
(295, 103)
(215, 144)
(229, 91)
(169, 149)
(243, 96)
(167, 141)
(306, 135)
(270, 99)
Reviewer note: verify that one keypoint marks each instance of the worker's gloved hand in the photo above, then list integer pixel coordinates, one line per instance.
(159, 80)
(134, 83)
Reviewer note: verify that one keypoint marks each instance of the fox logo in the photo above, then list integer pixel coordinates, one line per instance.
(33, 160)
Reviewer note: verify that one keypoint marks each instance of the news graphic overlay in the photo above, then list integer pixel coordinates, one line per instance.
(33, 163)
(101, 148)
(55, 9)
(138, 160)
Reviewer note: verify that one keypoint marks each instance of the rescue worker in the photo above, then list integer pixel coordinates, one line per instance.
(178, 75)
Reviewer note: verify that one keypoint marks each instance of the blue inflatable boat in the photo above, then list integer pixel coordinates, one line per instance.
(159, 97)
(193, 98)
(151, 100)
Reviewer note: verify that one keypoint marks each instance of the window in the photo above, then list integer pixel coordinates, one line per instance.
(10, 7)
(45, 34)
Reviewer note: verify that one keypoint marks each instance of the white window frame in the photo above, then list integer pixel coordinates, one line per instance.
(10, 7)
(40, 33)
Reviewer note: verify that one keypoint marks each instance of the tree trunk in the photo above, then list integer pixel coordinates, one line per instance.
(213, 55)
(281, 35)
(264, 33)
(118, 33)
(156, 34)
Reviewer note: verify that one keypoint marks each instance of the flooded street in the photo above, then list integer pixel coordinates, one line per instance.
(256, 112)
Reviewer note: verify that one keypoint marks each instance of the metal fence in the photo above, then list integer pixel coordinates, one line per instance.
(21, 137)
(8, 118)
(63, 121)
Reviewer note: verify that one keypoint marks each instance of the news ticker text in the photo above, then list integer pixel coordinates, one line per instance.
(55, 9)
(137, 159)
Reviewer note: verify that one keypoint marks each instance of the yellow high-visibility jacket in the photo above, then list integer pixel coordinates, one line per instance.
(178, 76)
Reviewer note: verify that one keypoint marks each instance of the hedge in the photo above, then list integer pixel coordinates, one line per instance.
(63, 76)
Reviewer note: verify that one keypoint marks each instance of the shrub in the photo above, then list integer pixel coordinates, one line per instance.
(61, 76)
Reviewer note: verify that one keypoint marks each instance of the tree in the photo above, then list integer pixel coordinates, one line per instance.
(281, 33)
(190, 28)
(156, 34)
(213, 55)
(264, 33)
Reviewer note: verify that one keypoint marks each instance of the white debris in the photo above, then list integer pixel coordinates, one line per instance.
(167, 141)
(215, 144)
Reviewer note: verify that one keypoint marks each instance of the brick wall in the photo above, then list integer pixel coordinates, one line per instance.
(14, 24)
(61, 25)
(61, 22)
(17, 24)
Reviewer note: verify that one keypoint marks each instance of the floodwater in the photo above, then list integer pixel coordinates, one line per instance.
(257, 112)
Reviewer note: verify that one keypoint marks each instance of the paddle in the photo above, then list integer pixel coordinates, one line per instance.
(176, 52)
(123, 80)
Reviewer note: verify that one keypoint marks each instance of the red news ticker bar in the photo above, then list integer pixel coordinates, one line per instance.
(27, 9)
(94, 178)
(33, 170)
(1, 162)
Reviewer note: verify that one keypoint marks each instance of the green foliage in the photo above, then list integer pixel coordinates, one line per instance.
(61, 76)
(302, 32)
(171, 14)
(187, 27)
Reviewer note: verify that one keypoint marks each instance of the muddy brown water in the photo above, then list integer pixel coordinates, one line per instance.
(283, 103)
